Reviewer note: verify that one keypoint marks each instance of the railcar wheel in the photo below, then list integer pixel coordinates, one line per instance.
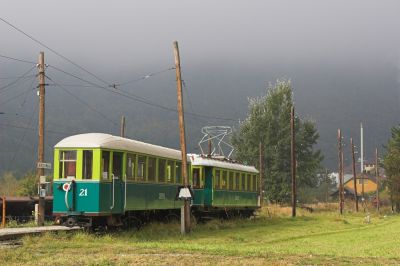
(71, 222)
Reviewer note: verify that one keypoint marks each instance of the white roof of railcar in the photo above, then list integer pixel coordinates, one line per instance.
(204, 161)
(107, 141)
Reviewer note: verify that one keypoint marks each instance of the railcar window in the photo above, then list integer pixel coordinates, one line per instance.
(67, 164)
(161, 170)
(243, 182)
(130, 166)
(217, 179)
(105, 164)
(237, 180)
(224, 180)
(196, 177)
(178, 173)
(87, 164)
(117, 165)
(231, 181)
(254, 182)
(202, 177)
(170, 171)
(141, 168)
(248, 182)
(151, 169)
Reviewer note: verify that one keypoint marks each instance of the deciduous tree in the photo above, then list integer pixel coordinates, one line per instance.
(268, 121)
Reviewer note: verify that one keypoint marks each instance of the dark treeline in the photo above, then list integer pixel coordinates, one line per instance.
(333, 96)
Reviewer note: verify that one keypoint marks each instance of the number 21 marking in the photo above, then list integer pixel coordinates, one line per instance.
(83, 192)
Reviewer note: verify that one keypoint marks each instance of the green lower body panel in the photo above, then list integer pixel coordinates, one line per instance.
(105, 198)
(147, 196)
(198, 197)
(82, 197)
(224, 198)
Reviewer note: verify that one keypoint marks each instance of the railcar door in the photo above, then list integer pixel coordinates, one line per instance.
(116, 195)
(208, 186)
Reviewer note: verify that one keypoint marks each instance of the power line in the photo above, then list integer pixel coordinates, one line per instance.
(18, 79)
(26, 95)
(189, 101)
(52, 50)
(83, 102)
(15, 77)
(73, 85)
(75, 76)
(16, 96)
(33, 128)
(23, 136)
(16, 59)
(136, 98)
(144, 77)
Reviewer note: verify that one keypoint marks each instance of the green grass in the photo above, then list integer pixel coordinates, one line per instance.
(30, 223)
(319, 238)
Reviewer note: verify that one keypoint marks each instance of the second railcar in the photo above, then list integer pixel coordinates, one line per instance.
(223, 186)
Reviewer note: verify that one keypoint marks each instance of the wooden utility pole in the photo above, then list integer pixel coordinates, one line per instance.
(340, 171)
(40, 171)
(123, 126)
(293, 161)
(377, 178)
(362, 164)
(354, 174)
(260, 182)
(342, 158)
(3, 217)
(182, 136)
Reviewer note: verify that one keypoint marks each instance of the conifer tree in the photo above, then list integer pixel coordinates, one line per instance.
(392, 167)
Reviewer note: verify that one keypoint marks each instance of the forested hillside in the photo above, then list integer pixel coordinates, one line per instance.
(331, 95)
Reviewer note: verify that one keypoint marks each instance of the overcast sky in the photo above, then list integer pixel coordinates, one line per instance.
(123, 34)
(332, 50)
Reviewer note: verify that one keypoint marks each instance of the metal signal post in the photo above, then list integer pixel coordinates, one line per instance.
(40, 171)
(186, 211)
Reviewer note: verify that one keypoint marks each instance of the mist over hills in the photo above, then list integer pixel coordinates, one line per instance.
(342, 57)
(339, 95)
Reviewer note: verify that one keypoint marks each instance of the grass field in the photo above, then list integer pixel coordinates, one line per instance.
(322, 237)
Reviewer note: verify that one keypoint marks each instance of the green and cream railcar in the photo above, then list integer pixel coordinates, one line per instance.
(102, 178)
(223, 184)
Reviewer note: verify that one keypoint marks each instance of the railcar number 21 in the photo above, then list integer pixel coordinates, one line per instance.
(83, 192)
